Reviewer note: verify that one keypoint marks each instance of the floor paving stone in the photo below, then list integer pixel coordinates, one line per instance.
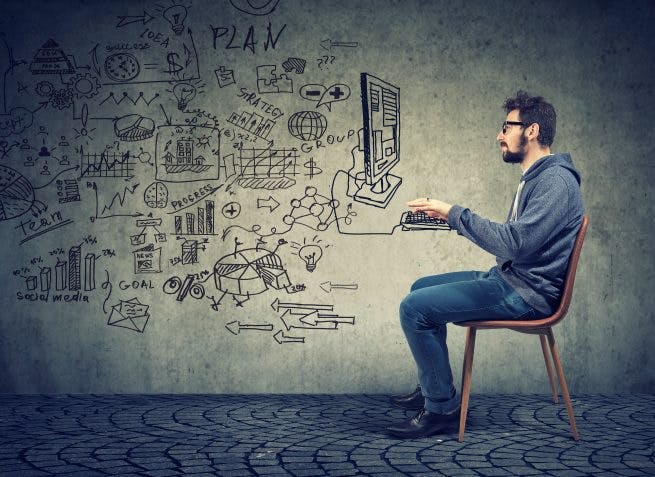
(317, 435)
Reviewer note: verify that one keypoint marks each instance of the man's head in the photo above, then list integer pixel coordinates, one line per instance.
(530, 125)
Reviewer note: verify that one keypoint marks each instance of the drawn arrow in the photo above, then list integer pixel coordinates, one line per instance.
(280, 337)
(128, 19)
(43, 104)
(236, 329)
(329, 286)
(308, 321)
(328, 44)
(94, 53)
(336, 319)
(168, 119)
(187, 52)
(74, 168)
(136, 214)
(271, 203)
(276, 305)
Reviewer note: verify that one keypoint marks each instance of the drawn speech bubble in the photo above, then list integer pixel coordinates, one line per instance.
(325, 96)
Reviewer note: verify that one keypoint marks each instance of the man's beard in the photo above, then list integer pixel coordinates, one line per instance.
(516, 157)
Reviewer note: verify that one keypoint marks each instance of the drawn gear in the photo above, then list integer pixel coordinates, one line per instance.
(84, 85)
(44, 89)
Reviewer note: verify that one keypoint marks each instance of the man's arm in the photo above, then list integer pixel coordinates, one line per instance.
(543, 217)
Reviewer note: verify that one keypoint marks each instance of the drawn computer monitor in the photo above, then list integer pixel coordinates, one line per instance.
(381, 135)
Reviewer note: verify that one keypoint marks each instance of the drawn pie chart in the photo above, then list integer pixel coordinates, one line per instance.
(249, 272)
(16, 193)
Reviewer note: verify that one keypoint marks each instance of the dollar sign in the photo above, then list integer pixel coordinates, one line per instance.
(173, 66)
(313, 169)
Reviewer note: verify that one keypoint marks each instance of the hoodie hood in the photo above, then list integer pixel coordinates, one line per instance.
(552, 160)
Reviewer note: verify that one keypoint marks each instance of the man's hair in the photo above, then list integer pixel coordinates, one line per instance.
(534, 109)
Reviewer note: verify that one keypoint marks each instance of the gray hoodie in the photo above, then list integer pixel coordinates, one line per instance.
(532, 252)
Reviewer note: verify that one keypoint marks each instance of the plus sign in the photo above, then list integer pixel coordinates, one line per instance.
(231, 210)
(336, 93)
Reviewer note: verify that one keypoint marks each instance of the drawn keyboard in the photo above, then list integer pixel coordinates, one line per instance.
(421, 221)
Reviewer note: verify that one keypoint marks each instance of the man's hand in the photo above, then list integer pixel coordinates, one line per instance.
(432, 207)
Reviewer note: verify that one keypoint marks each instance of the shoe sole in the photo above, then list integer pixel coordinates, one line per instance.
(451, 426)
(411, 408)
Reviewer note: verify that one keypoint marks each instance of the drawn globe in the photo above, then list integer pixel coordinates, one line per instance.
(307, 125)
(16, 193)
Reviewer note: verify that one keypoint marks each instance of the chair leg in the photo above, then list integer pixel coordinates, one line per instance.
(562, 384)
(549, 368)
(467, 368)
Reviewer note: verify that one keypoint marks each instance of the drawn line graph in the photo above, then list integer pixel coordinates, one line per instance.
(106, 165)
(117, 202)
(120, 197)
(267, 168)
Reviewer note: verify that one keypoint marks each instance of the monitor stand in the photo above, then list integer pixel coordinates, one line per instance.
(380, 193)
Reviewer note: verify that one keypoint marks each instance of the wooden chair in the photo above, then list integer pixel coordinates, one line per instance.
(542, 327)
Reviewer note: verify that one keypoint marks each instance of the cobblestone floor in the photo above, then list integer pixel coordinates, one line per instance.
(312, 435)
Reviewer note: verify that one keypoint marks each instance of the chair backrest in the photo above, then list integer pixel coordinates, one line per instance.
(569, 280)
(538, 325)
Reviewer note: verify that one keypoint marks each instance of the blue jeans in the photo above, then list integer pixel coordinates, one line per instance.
(439, 299)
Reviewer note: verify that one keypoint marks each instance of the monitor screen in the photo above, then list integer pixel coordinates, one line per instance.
(381, 114)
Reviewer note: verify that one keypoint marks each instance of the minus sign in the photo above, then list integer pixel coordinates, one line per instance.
(313, 93)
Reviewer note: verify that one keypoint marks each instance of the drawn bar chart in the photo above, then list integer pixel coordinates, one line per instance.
(199, 223)
(252, 122)
(66, 274)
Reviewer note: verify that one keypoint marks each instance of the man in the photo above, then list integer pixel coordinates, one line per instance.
(532, 250)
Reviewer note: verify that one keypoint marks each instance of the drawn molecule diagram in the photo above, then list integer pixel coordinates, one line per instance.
(312, 210)
(16, 195)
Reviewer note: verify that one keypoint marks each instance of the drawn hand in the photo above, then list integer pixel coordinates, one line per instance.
(432, 207)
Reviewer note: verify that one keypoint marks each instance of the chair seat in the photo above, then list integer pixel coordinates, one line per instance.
(542, 327)
(524, 326)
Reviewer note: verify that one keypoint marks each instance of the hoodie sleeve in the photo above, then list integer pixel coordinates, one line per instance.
(543, 217)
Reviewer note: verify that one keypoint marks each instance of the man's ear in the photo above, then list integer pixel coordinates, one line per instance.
(533, 131)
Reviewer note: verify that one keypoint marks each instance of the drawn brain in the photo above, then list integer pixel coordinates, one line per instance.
(16, 193)
(156, 195)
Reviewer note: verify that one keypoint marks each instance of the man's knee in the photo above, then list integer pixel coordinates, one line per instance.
(418, 284)
(411, 315)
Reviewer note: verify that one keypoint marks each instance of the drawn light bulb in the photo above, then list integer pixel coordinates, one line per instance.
(183, 92)
(176, 16)
(310, 254)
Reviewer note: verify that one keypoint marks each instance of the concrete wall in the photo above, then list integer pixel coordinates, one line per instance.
(80, 178)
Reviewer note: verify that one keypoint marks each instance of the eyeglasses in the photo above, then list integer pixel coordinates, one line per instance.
(512, 123)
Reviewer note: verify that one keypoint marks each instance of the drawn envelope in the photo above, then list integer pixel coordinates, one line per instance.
(130, 314)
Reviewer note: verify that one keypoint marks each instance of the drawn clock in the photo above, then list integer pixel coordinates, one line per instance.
(122, 67)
